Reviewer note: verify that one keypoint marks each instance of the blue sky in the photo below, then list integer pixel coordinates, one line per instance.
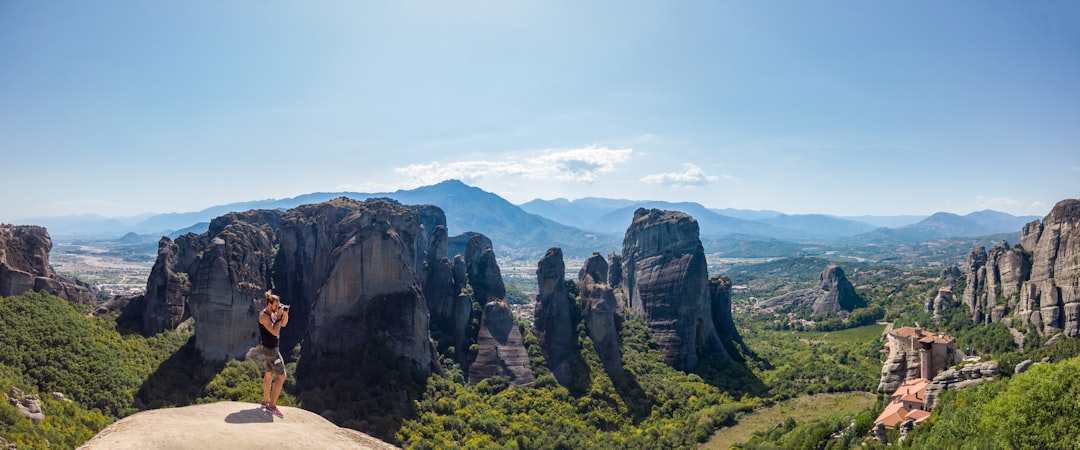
(839, 107)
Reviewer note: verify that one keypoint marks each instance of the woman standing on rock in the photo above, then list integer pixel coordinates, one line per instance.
(272, 319)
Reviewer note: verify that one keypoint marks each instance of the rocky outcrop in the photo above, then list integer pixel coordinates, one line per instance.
(231, 425)
(24, 266)
(720, 295)
(995, 280)
(448, 302)
(959, 378)
(600, 305)
(364, 287)
(227, 284)
(28, 405)
(1036, 283)
(167, 290)
(665, 281)
(501, 349)
(483, 270)
(552, 321)
(348, 268)
(833, 294)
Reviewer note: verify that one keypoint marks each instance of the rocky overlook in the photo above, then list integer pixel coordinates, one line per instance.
(1034, 285)
(666, 281)
(24, 266)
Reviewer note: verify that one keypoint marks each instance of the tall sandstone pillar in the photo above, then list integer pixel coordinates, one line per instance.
(666, 281)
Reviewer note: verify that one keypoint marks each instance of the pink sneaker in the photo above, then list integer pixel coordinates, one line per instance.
(274, 409)
(265, 404)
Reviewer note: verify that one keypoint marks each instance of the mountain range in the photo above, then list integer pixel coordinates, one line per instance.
(579, 226)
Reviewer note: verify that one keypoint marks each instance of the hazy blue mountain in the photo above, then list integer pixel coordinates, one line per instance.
(886, 221)
(943, 225)
(710, 223)
(467, 208)
(819, 225)
(85, 224)
(576, 213)
(748, 214)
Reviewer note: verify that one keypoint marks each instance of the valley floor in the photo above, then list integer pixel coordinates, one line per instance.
(802, 409)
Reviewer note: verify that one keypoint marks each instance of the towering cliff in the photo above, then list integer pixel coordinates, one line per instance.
(347, 268)
(501, 348)
(500, 345)
(227, 284)
(552, 322)
(834, 293)
(598, 300)
(666, 281)
(24, 266)
(1035, 285)
(720, 295)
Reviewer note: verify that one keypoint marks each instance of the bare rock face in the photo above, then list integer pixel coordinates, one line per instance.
(596, 267)
(996, 279)
(665, 281)
(367, 287)
(553, 323)
(227, 285)
(963, 377)
(834, 293)
(1037, 283)
(347, 268)
(600, 304)
(483, 270)
(229, 425)
(501, 348)
(614, 275)
(167, 290)
(24, 266)
(720, 294)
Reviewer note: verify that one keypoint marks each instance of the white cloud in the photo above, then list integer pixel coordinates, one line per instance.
(581, 164)
(1010, 205)
(693, 176)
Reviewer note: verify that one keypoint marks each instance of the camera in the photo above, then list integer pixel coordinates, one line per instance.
(285, 307)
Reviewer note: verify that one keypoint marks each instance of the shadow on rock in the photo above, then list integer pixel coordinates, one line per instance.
(254, 415)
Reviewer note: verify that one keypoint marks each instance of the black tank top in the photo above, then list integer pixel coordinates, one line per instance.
(265, 336)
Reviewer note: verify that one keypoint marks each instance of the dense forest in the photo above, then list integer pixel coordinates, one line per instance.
(105, 372)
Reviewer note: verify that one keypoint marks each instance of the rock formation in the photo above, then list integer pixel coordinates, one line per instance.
(1035, 284)
(598, 300)
(501, 349)
(995, 280)
(553, 322)
(28, 405)
(500, 346)
(231, 425)
(834, 293)
(960, 378)
(483, 270)
(720, 295)
(227, 283)
(665, 281)
(24, 266)
(348, 268)
(359, 258)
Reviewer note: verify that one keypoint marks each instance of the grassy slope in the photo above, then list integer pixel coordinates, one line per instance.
(802, 409)
(850, 335)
